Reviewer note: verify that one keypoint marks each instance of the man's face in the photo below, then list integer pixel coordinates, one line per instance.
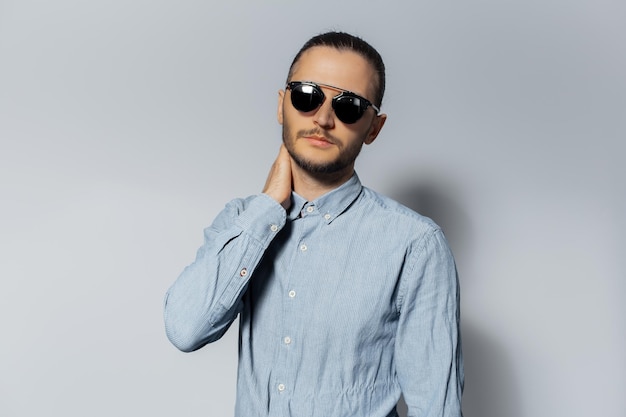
(317, 140)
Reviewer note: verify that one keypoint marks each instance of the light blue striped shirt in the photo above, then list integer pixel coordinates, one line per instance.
(345, 302)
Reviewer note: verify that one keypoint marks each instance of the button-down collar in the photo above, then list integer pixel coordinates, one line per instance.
(331, 204)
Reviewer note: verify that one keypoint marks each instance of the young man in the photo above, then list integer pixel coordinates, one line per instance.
(347, 299)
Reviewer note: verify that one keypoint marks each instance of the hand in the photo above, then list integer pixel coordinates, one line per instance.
(278, 184)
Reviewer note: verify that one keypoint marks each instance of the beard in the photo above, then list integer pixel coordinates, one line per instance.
(344, 160)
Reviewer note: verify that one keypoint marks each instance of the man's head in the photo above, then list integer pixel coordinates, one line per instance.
(330, 106)
(345, 41)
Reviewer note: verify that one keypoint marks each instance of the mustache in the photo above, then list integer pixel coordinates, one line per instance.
(317, 132)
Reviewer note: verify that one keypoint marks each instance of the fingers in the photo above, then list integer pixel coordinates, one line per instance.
(278, 184)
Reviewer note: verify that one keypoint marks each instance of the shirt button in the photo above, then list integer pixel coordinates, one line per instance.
(281, 387)
(303, 247)
(292, 294)
(287, 340)
(310, 209)
(273, 228)
(243, 272)
(327, 216)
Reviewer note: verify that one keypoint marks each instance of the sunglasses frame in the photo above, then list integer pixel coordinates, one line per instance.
(342, 93)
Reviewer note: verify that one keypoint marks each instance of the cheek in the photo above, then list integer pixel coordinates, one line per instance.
(358, 132)
(296, 120)
(368, 131)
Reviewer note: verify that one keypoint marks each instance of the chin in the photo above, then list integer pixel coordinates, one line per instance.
(320, 166)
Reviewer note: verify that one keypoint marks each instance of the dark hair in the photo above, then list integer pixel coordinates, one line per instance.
(345, 41)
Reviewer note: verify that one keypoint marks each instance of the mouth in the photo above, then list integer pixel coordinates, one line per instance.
(316, 140)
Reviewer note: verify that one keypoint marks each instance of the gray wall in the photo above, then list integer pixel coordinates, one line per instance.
(125, 126)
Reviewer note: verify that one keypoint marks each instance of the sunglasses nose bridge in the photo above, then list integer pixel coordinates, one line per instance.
(325, 114)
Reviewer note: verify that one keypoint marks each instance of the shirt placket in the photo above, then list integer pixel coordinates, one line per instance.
(293, 304)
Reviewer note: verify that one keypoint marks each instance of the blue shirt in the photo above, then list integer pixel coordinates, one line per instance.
(345, 302)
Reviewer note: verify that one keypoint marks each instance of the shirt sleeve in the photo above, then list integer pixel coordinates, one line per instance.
(207, 296)
(428, 346)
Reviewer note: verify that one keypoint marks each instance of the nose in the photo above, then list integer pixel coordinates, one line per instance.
(325, 115)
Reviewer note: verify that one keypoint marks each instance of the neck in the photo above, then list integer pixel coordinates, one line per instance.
(311, 186)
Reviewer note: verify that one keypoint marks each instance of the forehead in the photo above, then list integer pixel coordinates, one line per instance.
(341, 68)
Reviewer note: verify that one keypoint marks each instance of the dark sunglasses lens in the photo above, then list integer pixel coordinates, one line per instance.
(348, 109)
(306, 98)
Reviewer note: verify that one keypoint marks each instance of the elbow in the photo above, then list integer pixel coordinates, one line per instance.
(180, 333)
(186, 340)
(189, 332)
(184, 346)
(178, 329)
(183, 340)
(187, 337)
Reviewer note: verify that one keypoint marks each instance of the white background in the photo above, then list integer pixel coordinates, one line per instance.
(125, 126)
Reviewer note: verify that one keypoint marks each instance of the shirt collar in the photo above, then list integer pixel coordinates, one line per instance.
(330, 205)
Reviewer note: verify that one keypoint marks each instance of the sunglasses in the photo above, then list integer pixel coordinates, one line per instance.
(307, 96)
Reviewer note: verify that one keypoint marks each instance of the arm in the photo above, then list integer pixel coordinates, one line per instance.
(205, 299)
(428, 346)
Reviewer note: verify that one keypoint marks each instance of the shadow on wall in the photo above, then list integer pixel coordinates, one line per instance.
(437, 201)
(490, 388)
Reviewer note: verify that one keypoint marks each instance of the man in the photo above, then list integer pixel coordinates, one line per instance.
(347, 299)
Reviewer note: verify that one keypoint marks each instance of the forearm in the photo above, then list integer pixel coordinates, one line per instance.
(206, 298)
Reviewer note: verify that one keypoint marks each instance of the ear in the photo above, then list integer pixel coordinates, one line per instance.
(375, 127)
(279, 115)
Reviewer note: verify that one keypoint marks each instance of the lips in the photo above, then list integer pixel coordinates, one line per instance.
(319, 141)
(317, 138)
